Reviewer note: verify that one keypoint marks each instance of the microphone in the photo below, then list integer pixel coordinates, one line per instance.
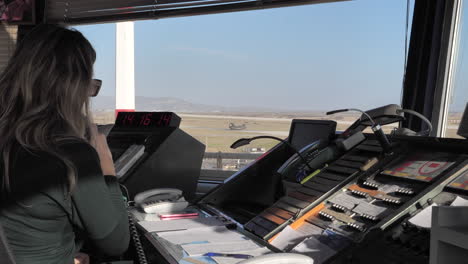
(376, 128)
(245, 141)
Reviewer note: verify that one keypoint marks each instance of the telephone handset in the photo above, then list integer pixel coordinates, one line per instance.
(161, 200)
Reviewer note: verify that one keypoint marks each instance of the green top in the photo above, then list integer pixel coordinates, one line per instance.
(44, 226)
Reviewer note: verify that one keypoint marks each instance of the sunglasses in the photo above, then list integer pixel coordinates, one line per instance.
(95, 87)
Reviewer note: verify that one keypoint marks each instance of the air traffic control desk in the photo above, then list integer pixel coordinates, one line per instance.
(360, 207)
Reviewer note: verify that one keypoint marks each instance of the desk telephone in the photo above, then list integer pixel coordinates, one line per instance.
(161, 200)
(154, 201)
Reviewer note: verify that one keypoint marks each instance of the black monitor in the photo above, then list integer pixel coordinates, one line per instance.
(151, 151)
(304, 131)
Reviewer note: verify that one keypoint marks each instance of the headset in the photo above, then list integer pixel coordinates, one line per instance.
(402, 131)
(384, 115)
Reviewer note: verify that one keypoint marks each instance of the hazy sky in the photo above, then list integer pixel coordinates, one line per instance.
(314, 57)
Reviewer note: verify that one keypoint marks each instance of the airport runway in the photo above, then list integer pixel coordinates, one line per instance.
(238, 117)
(268, 119)
(266, 132)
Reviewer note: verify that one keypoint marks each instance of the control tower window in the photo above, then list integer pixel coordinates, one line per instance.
(459, 96)
(245, 74)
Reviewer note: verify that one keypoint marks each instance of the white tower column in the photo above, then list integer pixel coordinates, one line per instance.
(124, 68)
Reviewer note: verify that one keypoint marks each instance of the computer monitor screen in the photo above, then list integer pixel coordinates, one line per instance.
(461, 182)
(423, 167)
(303, 132)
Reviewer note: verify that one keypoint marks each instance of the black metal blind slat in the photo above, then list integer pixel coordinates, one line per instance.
(89, 11)
(108, 12)
(96, 5)
(72, 8)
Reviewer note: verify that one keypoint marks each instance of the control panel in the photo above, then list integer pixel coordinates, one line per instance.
(377, 200)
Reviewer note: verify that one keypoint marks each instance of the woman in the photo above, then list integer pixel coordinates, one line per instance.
(53, 194)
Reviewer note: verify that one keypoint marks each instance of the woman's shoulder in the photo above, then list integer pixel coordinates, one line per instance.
(69, 148)
(74, 144)
(77, 150)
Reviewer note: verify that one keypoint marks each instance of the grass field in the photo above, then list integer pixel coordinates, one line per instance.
(213, 130)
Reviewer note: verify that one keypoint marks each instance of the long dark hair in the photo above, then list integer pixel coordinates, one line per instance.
(44, 94)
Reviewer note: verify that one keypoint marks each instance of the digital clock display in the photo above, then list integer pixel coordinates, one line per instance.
(146, 120)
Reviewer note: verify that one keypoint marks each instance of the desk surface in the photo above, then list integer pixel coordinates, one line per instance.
(185, 241)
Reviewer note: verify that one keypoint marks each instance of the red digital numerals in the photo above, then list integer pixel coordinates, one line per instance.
(164, 120)
(146, 119)
(128, 119)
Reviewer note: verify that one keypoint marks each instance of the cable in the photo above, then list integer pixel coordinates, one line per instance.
(428, 123)
(127, 194)
(245, 141)
(364, 113)
(133, 230)
(352, 109)
(376, 128)
(136, 239)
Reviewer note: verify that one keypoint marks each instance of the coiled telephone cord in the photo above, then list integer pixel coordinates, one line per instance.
(133, 230)
(136, 240)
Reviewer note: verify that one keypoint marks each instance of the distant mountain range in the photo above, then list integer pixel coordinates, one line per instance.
(104, 103)
(172, 104)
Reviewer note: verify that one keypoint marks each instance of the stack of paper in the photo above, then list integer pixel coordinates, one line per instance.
(180, 224)
(196, 242)
(198, 249)
(204, 234)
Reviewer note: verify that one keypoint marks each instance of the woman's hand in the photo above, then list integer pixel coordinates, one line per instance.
(99, 142)
(81, 258)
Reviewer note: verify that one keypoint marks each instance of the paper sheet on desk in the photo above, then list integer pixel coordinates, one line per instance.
(226, 260)
(290, 237)
(197, 260)
(219, 247)
(424, 218)
(459, 202)
(287, 238)
(175, 251)
(315, 249)
(209, 234)
(255, 253)
(180, 224)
